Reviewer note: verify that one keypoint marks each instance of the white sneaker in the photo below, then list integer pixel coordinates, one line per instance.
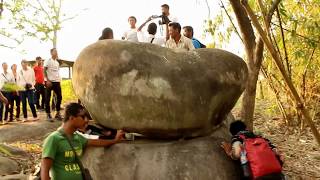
(24, 119)
(34, 118)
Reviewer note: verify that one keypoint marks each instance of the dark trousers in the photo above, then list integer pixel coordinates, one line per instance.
(40, 91)
(17, 100)
(57, 90)
(8, 107)
(28, 95)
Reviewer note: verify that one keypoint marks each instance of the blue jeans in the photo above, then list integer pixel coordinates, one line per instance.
(24, 95)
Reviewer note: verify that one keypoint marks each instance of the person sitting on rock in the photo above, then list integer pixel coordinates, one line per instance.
(178, 41)
(252, 151)
(58, 154)
(107, 33)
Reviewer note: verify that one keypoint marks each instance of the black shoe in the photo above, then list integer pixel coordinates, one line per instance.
(49, 118)
(58, 117)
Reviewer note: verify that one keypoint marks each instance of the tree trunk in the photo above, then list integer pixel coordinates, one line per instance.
(249, 96)
(54, 39)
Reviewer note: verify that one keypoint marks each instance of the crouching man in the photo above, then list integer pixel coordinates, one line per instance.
(58, 155)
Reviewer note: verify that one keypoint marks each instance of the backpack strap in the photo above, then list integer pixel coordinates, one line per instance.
(151, 40)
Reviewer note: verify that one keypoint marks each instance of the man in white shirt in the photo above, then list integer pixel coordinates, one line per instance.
(178, 41)
(131, 34)
(152, 30)
(53, 79)
(6, 79)
(26, 79)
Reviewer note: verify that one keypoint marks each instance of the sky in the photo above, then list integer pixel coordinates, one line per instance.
(85, 29)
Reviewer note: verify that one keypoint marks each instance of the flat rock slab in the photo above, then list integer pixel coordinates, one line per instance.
(29, 130)
(156, 91)
(199, 158)
(8, 166)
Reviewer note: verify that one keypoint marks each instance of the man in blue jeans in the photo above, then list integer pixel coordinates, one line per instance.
(26, 79)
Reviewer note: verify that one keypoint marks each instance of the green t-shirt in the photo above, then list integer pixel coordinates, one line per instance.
(57, 148)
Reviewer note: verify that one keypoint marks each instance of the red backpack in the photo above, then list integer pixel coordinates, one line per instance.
(261, 158)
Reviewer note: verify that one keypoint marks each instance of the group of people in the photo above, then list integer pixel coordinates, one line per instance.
(63, 148)
(171, 39)
(28, 85)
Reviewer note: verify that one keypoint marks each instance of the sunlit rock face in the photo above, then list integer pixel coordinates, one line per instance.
(156, 91)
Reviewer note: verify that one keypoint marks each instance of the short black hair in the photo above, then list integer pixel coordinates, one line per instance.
(152, 28)
(106, 33)
(165, 6)
(38, 58)
(72, 109)
(4, 63)
(189, 28)
(237, 126)
(175, 25)
(52, 50)
(135, 19)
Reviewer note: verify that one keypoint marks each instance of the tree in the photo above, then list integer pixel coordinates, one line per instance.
(41, 19)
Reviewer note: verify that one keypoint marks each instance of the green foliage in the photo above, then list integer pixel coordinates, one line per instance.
(40, 19)
(67, 91)
(11, 87)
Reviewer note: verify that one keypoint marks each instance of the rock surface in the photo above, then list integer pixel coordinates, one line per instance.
(199, 158)
(156, 91)
(8, 166)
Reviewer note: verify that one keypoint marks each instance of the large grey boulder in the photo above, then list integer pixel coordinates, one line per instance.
(196, 159)
(156, 91)
(8, 166)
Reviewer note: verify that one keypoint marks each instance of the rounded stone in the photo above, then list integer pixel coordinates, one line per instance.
(157, 91)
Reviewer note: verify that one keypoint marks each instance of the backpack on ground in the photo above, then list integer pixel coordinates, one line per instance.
(262, 159)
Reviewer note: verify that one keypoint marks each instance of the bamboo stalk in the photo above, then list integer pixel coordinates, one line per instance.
(274, 54)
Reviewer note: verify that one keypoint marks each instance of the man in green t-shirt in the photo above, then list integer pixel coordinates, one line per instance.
(57, 154)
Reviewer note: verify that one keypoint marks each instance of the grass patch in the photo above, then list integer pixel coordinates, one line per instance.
(67, 92)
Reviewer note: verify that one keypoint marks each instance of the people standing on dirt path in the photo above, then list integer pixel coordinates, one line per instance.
(26, 79)
(53, 79)
(63, 147)
(40, 88)
(7, 79)
(15, 95)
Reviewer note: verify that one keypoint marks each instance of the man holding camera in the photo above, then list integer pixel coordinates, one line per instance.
(52, 76)
(26, 79)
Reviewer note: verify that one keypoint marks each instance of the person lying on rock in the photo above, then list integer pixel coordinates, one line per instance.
(58, 155)
(259, 159)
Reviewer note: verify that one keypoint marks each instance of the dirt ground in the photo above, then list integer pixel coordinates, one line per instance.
(299, 149)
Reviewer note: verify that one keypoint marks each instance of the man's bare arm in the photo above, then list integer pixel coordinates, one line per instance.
(46, 164)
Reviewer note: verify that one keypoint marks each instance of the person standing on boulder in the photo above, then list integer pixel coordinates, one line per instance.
(178, 41)
(53, 79)
(58, 156)
(131, 34)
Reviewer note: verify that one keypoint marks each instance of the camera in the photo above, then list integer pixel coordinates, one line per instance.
(28, 86)
(164, 19)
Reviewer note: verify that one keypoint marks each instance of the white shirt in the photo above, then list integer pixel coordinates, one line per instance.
(26, 76)
(183, 43)
(6, 78)
(52, 66)
(131, 35)
(156, 40)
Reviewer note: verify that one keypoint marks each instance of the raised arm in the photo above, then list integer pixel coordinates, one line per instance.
(143, 24)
